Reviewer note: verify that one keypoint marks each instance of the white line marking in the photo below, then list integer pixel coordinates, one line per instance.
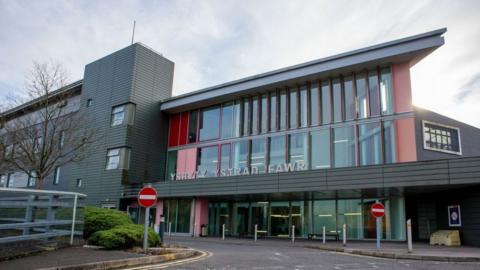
(204, 255)
(147, 197)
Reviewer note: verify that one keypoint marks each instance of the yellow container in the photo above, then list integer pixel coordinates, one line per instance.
(446, 238)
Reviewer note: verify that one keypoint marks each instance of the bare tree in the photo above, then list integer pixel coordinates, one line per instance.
(50, 131)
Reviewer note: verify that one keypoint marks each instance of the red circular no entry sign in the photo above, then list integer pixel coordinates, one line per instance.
(147, 197)
(378, 210)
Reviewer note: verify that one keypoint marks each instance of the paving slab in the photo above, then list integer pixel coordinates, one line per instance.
(66, 256)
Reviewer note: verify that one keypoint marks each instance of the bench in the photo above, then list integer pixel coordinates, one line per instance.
(312, 236)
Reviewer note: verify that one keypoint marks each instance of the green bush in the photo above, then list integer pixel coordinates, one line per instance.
(100, 219)
(124, 237)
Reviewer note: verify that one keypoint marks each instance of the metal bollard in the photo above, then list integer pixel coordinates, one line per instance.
(293, 233)
(255, 236)
(344, 234)
(195, 231)
(223, 232)
(409, 235)
(323, 235)
(169, 228)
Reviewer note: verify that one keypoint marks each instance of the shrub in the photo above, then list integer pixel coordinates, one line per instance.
(124, 237)
(100, 219)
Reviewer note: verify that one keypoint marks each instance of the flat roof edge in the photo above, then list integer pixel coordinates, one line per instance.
(173, 102)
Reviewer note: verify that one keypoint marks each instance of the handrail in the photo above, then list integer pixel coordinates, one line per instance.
(38, 191)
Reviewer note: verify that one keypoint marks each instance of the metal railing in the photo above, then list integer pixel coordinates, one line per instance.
(32, 214)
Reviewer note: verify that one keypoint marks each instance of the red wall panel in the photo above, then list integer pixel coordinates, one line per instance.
(174, 129)
(183, 136)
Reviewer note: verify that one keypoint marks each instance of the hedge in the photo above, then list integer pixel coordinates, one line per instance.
(124, 237)
(100, 219)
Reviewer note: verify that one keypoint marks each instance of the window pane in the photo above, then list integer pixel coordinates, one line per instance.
(273, 111)
(283, 109)
(326, 102)
(192, 127)
(225, 157)
(374, 92)
(257, 159)
(349, 98)
(293, 108)
(303, 106)
(209, 120)
(255, 115)
(246, 117)
(227, 120)
(207, 161)
(389, 144)
(386, 91)
(324, 214)
(240, 155)
(344, 146)
(337, 101)
(314, 104)
(369, 139)
(320, 149)
(298, 151)
(171, 165)
(277, 151)
(361, 96)
(264, 114)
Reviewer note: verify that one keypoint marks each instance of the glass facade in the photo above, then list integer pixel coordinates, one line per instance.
(275, 218)
(321, 107)
(177, 214)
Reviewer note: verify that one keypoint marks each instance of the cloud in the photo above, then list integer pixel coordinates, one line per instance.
(469, 89)
(212, 42)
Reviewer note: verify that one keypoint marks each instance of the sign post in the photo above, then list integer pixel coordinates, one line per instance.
(378, 211)
(147, 197)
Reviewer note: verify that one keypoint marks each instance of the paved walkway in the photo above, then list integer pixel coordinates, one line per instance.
(64, 257)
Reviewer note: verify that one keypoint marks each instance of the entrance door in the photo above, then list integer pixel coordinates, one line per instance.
(370, 222)
(279, 219)
(259, 217)
(241, 219)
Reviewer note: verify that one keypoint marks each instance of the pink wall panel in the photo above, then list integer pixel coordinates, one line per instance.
(201, 214)
(187, 160)
(159, 211)
(406, 145)
(402, 89)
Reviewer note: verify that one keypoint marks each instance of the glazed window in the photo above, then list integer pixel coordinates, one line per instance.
(273, 111)
(123, 114)
(257, 159)
(314, 104)
(209, 123)
(320, 149)
(386, 91)
(303, 106)
(389, 142)
(370, 144)
(246, 117)
(344, 146)
(171, 165)
(264, 114)
(32, 178)
(373, 93)
(283, 110)
(240, 155)
(362, 104)
(56, 176)
(255, 115)
(298, 150)
(118, 158)
(337, 101)
(349, 94)
(293, 108)
(207, 161)
(441, 138)
(326, 102)
(277, 153)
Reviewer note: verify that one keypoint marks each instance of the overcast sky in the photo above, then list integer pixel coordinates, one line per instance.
(212, 42)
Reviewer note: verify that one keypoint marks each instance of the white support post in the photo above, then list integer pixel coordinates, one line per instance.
(323, 235)
(293, 233)
(74, 217)
(195, 231)
(344, 234)
(256, 230)
(223, 231)
(170, 228)
(409, 235)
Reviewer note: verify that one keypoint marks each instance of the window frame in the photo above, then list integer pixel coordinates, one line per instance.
(123, 159)
(426, 147)
(56, 175)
